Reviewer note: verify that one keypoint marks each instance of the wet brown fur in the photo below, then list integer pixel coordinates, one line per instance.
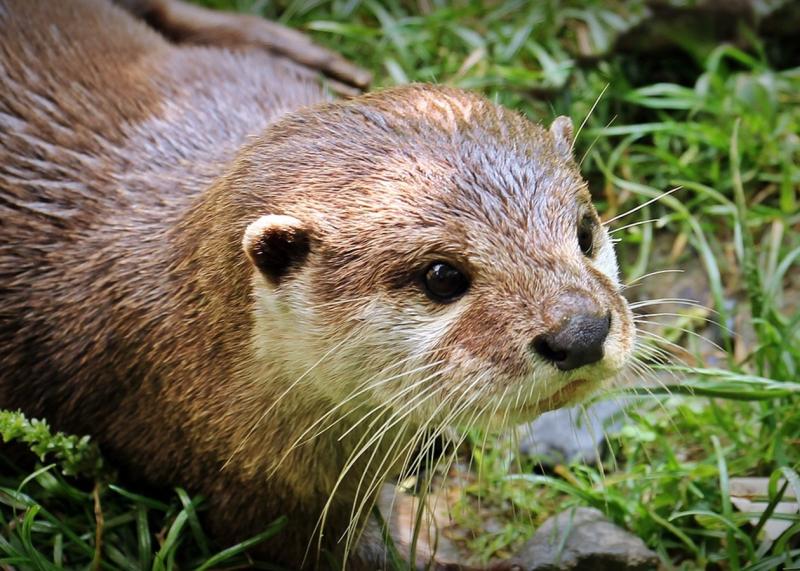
(127, 180)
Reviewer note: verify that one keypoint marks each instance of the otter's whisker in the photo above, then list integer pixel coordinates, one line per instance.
(647, 372)
(422, 434)
(682, 330)
(431, 435)
(640, 318)
(379, 474)
(461, 405)
(660, 339)
(394, 418)
(396, 398)
(665, 300)
(281, 396)
(303, 438)
(358, 450)
(657, 399)
(653, 351)
(648, 275)
(363, 388)
(493, 414)
(643, 205)
(477, 413)
(588, 115)
(632, 225)
(659, 358)
(349, 301)
(594, 141)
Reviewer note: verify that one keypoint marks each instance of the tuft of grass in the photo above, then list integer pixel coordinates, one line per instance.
(76, 455)
(70, 514)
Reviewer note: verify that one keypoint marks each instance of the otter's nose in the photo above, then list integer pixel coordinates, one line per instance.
(578, 342)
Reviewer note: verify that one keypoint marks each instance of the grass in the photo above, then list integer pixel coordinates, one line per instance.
(718, 121)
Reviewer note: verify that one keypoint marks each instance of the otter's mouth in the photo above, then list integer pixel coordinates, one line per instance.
(566, 393)
(561, 397)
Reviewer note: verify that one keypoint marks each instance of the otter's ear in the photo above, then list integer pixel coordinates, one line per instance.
(561, 130)
(275, 244)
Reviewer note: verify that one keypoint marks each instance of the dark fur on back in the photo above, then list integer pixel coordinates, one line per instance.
(108, 135)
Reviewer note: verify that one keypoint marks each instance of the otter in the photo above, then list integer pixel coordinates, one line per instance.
(242, 285)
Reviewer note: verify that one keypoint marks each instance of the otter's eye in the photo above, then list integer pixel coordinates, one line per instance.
(586, 235)
(444, 283)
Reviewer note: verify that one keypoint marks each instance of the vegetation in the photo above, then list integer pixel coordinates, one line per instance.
(718, 121)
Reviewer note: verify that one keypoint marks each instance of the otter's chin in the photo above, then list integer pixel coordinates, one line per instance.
(573, 392)
(570, 393)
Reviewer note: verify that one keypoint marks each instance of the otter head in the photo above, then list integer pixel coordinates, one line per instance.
(426, 251)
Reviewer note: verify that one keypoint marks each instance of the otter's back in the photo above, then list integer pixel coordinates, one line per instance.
(98, 109)
(107, 134)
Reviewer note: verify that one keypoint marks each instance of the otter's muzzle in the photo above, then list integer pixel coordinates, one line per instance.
(578, 337)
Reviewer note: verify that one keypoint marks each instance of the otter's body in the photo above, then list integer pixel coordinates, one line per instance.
(291, 377)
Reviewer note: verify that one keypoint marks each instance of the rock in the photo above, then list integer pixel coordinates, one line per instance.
(583, 539)
(568, 435)
(751, 495)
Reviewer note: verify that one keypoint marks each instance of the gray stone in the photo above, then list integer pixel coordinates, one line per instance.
(572, 434)
(583, 539)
